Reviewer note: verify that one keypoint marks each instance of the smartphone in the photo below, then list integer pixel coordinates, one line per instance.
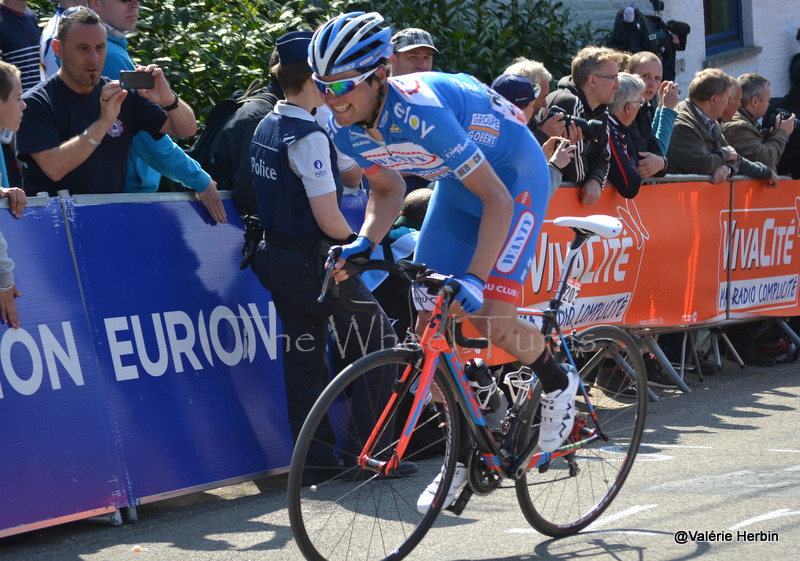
(132, 80)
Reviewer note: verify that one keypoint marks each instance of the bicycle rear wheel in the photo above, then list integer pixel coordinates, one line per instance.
(339, 511)
(571, 492)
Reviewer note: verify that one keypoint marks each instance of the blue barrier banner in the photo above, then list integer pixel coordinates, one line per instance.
(58, 454)
(187, 343)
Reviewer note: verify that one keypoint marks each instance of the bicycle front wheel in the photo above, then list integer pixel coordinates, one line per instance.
(572, 491)
(339, 511)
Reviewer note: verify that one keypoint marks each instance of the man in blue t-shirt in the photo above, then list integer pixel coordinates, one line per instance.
(489, 201)
(77, 130)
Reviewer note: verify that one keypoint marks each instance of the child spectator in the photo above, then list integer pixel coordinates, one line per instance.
(11, 108)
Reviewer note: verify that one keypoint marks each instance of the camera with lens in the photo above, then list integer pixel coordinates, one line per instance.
(592, 129)
(768, 121)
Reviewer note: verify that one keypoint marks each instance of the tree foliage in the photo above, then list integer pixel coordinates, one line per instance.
(209, 49)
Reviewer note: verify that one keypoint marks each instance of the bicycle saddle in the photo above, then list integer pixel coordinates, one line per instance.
(597, 224)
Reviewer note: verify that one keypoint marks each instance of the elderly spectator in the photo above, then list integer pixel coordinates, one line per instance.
(697, 145)
(623, 171)
(743, 131)
(521, 92)
(585, 94)
(652, 129)
(547, 125)
(78, 128)
(734, 101)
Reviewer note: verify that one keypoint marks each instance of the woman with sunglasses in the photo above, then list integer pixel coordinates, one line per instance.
(489, 199)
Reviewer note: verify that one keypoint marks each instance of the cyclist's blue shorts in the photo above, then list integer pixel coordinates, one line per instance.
(450, 231)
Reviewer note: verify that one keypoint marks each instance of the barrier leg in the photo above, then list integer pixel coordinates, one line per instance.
(662, 358)
(789, 332)
(734, 355)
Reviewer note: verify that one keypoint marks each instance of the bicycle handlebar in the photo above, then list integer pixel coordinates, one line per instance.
(410, 271)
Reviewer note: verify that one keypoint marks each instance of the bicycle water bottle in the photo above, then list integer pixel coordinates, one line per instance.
(483, 385)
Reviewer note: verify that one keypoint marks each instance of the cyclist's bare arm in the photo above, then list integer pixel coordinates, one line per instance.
(386, 192)
(498, 209)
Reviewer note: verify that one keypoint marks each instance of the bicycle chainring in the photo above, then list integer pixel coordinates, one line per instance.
(483, 480)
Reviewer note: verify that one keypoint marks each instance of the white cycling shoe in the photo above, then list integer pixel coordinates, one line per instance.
(558, 413)
(426, 498)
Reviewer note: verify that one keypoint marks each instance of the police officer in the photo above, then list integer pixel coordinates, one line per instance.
(298, 189)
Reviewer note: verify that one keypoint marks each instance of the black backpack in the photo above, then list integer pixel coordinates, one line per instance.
(204, 147)
(650, 33)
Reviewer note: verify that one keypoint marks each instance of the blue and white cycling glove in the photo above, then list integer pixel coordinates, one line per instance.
(358, 251)
(468, 292)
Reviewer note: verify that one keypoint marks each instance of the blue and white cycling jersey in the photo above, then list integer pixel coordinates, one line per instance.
(423, 140)
(441, 127)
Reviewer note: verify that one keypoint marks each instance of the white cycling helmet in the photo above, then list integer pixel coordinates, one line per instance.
(353, 41)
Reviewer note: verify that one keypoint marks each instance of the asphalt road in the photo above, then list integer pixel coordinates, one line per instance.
(717, 478)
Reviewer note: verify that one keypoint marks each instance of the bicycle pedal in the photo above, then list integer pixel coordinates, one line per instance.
(461, 502)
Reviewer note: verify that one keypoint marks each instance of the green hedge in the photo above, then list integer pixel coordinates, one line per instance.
(209, 49)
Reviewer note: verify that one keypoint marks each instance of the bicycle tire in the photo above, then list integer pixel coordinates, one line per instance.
(575, 489)
(351, 513)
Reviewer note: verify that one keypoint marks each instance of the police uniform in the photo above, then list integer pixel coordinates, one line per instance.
(292, 160)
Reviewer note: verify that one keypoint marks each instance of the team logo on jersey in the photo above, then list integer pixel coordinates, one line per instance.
(116, 129)
(318, 164)
(403, 112)
(470, 165)
(414, 91)
(394, 128)
(484, 129)
(524, 198)
(517, 240)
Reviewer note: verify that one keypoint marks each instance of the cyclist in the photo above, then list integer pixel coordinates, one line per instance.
(489, 200)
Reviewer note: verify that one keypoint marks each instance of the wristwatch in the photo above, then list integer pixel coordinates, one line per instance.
(91, 140)
(173, 105)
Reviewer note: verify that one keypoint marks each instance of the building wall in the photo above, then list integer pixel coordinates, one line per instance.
(769, 24)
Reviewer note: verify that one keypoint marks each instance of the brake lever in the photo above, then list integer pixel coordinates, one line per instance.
(333, 256)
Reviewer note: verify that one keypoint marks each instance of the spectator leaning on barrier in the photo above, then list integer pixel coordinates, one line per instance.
(623, 171)
(547, 125)
(50, 64)
(521, 92)
(298, 188)
(11, 109)
(733, 103)
(652, 129)
(77, 130)
(698, 145)
(150, 158)
(585, 94)
(743, 131)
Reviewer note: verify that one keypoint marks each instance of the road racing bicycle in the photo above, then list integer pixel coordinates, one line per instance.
(390, 423)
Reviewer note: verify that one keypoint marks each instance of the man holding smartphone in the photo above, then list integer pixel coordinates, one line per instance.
(78, 127)
(149, 158)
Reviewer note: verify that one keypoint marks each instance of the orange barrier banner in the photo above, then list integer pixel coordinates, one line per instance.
(663, 270)
(762, 251)
(671, 265)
